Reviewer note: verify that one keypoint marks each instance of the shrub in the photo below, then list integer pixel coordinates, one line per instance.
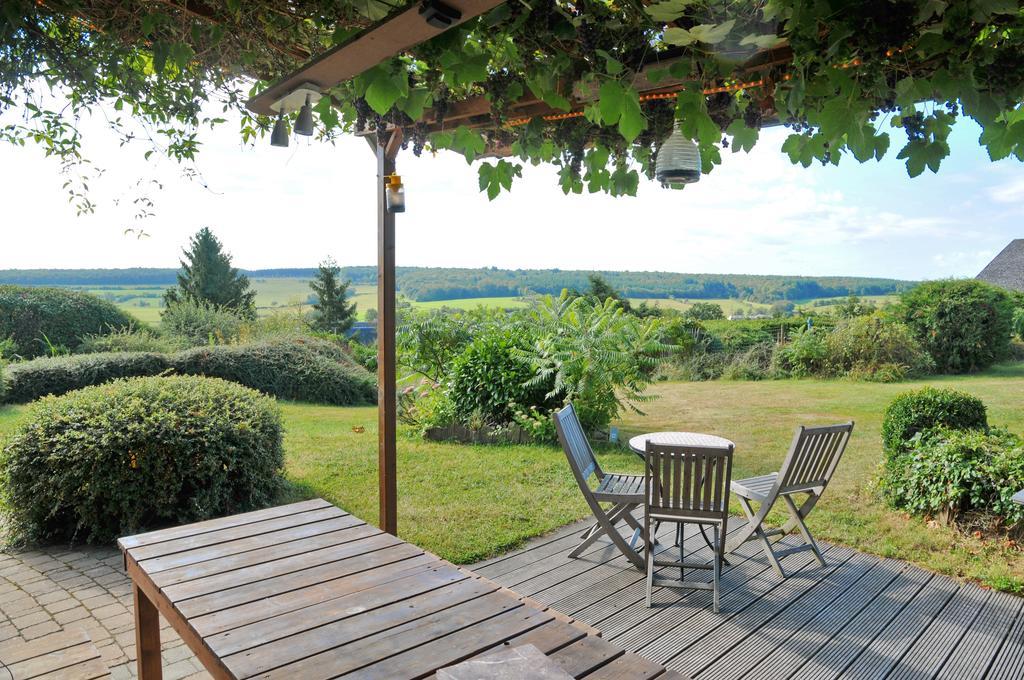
(914, 412)
(963, 324)
(135, 454)
(129, 340)
(872, 348)
(948, 473)
(3, 383)
(1018, 323)
(305, 369)
(30, 380)
(197, 323)
(754, 363)
(489, 379)
(593, 355)
(35, 319)
(364, 355)
(700, 367)
(805, 354)
(705, 311)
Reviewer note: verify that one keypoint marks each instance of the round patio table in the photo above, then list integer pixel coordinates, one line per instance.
(638, 444)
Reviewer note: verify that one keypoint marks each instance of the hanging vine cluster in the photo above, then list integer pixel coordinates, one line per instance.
(840, 75)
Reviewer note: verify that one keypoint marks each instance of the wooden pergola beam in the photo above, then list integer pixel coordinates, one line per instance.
(393, 35)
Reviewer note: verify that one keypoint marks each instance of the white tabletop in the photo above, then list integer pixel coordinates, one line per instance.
(695, 439)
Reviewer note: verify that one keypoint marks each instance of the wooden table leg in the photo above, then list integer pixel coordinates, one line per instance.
(147, 636)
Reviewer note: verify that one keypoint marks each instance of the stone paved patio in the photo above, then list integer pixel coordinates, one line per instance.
(44, 591)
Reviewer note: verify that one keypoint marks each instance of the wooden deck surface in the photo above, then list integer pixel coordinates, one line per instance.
(309, 591)
(861, 616)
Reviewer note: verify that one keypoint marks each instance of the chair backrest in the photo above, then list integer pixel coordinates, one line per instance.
(574, 443)
(687, 481)
(813, 457)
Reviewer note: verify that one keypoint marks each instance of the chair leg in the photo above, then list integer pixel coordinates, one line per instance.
(717, 574)
(680, 536)
(804, 531)
(650, 575)
(762, 537)
(601, 528)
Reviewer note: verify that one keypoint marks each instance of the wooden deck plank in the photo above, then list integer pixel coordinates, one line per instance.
(889, 646)
(728, 657)
(807, 640)
(637, 623)
(629, 666)
(191, 572)
(662, 632)
(604, 607)
(286, 602)
(331, 611)
(415, 635)
(161, 535)
(983, 640)
(930, 651)
(457, 646)
(832, 658)
(289, 562)
(586, 655)
(1009, 662)
(259, 590)
(220, 536)
(708, 635)
(244, 545)
(377, 634)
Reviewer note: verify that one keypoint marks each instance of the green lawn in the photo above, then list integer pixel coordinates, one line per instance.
(469, 502)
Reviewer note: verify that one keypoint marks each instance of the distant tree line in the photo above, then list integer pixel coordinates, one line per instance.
(429, 283)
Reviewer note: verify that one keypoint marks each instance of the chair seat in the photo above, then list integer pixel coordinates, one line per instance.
(621, 488)
(754, 488)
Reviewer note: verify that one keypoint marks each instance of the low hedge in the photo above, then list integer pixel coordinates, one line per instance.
(136, 454)
(303, 369)
(30, 380)
(37, 318)
(913, 412)
(949, 473)
(299, 368)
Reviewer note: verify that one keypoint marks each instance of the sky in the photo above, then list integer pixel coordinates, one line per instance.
(755, 214)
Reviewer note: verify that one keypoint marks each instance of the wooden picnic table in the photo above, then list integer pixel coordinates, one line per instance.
(309, 591)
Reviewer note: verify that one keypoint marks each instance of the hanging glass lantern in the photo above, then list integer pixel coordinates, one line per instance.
(678, 160)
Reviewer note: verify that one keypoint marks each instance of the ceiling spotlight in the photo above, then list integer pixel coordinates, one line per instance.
(279, 137)
(678, 160)
(304, 125)
(438, 14)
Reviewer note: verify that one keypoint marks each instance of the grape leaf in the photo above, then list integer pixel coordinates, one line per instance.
(632, 121)
(611, 98)
(667, 11)
(743, 137)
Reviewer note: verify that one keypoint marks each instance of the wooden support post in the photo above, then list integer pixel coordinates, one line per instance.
(387, 145)
(147, 636)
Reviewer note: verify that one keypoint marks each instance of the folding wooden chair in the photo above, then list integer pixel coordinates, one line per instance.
(624, 492)
(808, 468)
(687, 485)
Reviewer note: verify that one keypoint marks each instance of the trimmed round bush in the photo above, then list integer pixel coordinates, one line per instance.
(37, 319)
(138, 454)
(488, 380)
(963, 324)
(926, 409)
(302, 369)
(30, 380)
